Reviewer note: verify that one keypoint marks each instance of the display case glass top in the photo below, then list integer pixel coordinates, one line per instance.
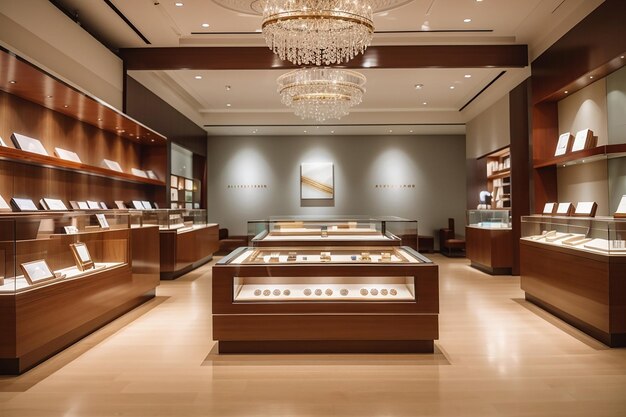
(489, 219)
(180, 220)
(322, 229)
(597, 235)
(45, 249)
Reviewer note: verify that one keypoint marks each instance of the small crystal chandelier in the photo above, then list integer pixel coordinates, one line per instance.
(318, 32)
(321, 93)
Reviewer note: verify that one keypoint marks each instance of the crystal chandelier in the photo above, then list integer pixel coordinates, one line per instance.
(321, 93)
(318, 32)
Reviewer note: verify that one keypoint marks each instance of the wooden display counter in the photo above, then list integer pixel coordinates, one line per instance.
(184, 250)
(585, 289)
(265, 304)
(490, 250)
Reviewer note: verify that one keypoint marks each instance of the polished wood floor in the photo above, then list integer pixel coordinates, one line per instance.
(497, 356)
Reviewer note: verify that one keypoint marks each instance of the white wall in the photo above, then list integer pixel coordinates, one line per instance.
(585, 182)
(435, 165)
(616, 106)
(490, 130)
(586, 109)
(42, 34)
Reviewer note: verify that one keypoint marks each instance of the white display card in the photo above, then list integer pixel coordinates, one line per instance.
(93, 205)
(139, 172)
(584, 207)
(580, 142)
(70, 230)
(82, 205)
(138, 205)
(173, 194)
(548, 208)
(83, 253)
(112, 165)
(103, 205)
(146, 205)
(563, 143)
(621, 209)
(174, 181)
(152, 175)
(120, 204)
(24, 204)
(2, 142)
(67, 155)
(563, 208)
(3, 205)
(28, 144)
(36, 271)
(188, 185)
(102, 220)
(53, 204)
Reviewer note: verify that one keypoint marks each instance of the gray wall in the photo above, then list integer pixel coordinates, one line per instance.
(256, 177)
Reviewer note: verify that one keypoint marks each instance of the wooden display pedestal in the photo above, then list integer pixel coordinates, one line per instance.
(490, 250)
(586, 290)
(185, 251)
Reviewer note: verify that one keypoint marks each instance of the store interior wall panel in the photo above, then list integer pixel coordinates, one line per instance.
(585, 182)
(586, 109)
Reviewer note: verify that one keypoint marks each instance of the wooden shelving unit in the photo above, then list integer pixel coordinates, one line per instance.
(499, 178)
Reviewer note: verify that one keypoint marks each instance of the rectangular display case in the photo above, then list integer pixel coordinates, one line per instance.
(179, 220)
(489, 241)
(575, 267)
(333, 231)
(337, 299)
(63, 275)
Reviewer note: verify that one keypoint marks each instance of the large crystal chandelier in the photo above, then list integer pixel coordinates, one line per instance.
(318, 32)
(321, 93)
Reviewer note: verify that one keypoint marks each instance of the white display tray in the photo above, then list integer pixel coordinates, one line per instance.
(319, 238)
(246, 292)
(600, 246)
(334, 258)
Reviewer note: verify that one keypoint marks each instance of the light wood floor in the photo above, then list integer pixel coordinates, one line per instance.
(497, 356)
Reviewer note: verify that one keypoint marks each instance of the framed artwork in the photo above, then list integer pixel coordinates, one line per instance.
(120, 204)
(102, 220)
(188, 185)
(112, 165)
(67, 155)
(93, 205)
(146, 205)
(37, 271)
(138, 205)
(582, 140)
(70, 230)
(82, 205)
(188, 196)
(139, 173)
(28, 144)
(173, 194)
(151, 175)
(24, 204)
(53, 204)
(563, 144)
(317, 181)
(3, 205)
(174, 181)
(82, 256)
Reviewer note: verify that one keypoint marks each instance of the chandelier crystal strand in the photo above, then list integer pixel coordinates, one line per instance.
(321, 93)
(318, 32)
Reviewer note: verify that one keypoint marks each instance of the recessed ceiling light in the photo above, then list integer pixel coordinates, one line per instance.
(12, 82)
(228, 105)
(305, 131)
(479, 1)
(228, 88)
(198, 77)
(468, 76)
(591, 76)
(99, 120)
(419, 86)
(151, 140)
(424, 103)
(48, 96)
(566, 92)
(467, 20)
(66, 106)
(452, 87)
(390, 131)
(410, 131)
(332, 131)
(622, 56)
(205, 25)
(178, 4)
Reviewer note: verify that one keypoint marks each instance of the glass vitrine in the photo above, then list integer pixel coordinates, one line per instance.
(489, 219)
(174, 219)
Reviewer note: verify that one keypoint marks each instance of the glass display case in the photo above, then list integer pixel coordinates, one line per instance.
(43, 249)
(600, 235)
(489, 219)
(180, 220)
(333, 230)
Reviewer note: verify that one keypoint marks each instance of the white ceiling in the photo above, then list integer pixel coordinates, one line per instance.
(390, 98)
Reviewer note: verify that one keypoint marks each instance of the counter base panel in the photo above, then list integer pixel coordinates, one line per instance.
(491, 270)
(326, 346)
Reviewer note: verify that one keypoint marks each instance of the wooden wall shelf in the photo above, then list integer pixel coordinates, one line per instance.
(20, 78)
(30, 158)
(499, 174)
(607, 151)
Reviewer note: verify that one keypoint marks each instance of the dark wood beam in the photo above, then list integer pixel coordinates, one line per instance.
(259, 58)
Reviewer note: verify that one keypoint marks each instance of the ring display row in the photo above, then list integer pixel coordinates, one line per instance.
(328, 292)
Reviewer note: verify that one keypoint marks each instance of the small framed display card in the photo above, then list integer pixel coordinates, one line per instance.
(67, 155)
(37, 271)
(549, 208)
(563, 145)
(3, 205)
(24, 204)
(102, 220)
(565, 209)
(53, 204)
(146, 205)
(70, 230)
(586, 209)
(138, 205)
(120, 204)
(174, 181)
(188, 185)
(82, 256)
(621, 209)
(82, 205)
(151, 175)
(93, 205)
(138, 172)
(174, 194)
(2, 142)
(103, 205)
(28, 144)
(74, 205)
(583, 140)
(112, 165)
